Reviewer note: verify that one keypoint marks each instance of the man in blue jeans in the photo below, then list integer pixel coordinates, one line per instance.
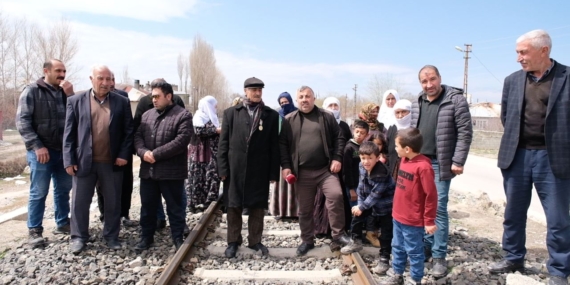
(40, 120)
(441, 113)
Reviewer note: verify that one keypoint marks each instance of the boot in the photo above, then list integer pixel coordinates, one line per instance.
(35, 238)
(372, 238)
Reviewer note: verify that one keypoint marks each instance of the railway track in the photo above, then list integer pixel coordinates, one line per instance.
(184, 262)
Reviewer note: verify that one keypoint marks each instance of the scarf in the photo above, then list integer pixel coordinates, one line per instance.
(256, 108)
(406, 121)
(332, 100)
(287, 108)
(365, 116)
(206, 112)
(386, 114)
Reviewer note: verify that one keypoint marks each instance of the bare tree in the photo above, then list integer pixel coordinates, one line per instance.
(186, 75)
(378, 84)
(29, 62)
(180, 63)
(205, 77)
(60, 43)
(125, 79)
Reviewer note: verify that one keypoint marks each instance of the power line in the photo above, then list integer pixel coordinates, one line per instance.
(485, 66)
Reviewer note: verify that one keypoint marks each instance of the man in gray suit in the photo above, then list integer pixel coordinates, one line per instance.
(97, 142)
(535, 150)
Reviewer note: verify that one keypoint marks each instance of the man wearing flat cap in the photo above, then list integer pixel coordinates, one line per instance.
(248, 160)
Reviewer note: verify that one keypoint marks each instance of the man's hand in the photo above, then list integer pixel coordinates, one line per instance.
(430, 230)
(71, 170)
(356, 211)
(223, 178)
(218, 131)
(149, 157)
(120, 162)
(353, 196)
(285, 172)
(67, 87)
(335, 166)
(42, 155)
(457, 170)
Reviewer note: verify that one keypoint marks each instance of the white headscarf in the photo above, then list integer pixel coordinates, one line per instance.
(206, 112)
(332, 100)
(406, 121)
(386, 114)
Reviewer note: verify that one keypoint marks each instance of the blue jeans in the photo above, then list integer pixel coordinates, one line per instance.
(160, 210)
(407, 242)
(532, 167)
(40, 177)
(438, 241)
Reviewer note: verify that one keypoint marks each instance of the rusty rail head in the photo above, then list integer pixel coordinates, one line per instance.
(202, 225)
(362, 270)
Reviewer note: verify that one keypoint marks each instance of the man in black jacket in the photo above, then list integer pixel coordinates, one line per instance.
(161, 141)
(40, 120)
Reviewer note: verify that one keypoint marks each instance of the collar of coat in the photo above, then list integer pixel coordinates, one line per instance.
(378, 171)
(448, 92)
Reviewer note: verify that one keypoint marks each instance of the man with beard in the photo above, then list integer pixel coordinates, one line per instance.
(40, 119)
(250, 132)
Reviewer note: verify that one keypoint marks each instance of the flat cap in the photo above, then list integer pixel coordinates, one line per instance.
(253, 82)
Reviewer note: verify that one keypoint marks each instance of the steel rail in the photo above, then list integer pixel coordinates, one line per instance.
(170, 272)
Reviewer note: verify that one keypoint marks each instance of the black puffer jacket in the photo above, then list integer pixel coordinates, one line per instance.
(167, 135)
(454, 129)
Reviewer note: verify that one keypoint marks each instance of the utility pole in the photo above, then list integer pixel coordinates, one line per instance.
(355, 87)
(467, 50)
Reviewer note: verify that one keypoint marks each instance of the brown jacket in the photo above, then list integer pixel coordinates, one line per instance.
(333, 140)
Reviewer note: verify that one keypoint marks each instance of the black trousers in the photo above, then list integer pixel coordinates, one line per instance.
(172, 191)
(126, 194)
(386, 229)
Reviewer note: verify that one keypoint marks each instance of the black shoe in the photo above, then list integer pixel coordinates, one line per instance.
(178, 243)
(186, 231)
(439, 268)
(63, 230)
(128, 222)
(35, 238)
(344, 240)
(144, 243)
(506, 266)
(557, 280)
(231, 250)
(304, 248)
(160, 224)
(113, 244)
(77, 246)
(260, 246)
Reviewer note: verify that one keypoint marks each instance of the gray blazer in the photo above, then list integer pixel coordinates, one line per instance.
(77, 139)
(557, 124)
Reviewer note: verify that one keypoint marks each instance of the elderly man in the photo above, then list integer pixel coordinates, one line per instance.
(312, 147)
(441, 113)
(40, 120)
(248, 159)
(161, 141)
(535, 111)
(97, 143)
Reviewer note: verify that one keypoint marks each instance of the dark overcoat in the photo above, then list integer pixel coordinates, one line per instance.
(248, 166)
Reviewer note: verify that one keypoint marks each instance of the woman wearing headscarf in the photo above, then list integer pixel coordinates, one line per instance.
(320, 213)
(283, 203)
(403, 120)
(369, 114)
(203, 181)
(386, 115)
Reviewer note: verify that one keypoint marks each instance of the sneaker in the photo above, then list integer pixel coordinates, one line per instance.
(353, 246)
(372, 238)
(304, 248)
(396, 279)
(35, 237)
(439, 268)
(382, 267)
(63, 230)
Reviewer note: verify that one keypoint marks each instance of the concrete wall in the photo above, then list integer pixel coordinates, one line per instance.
(486, 140)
